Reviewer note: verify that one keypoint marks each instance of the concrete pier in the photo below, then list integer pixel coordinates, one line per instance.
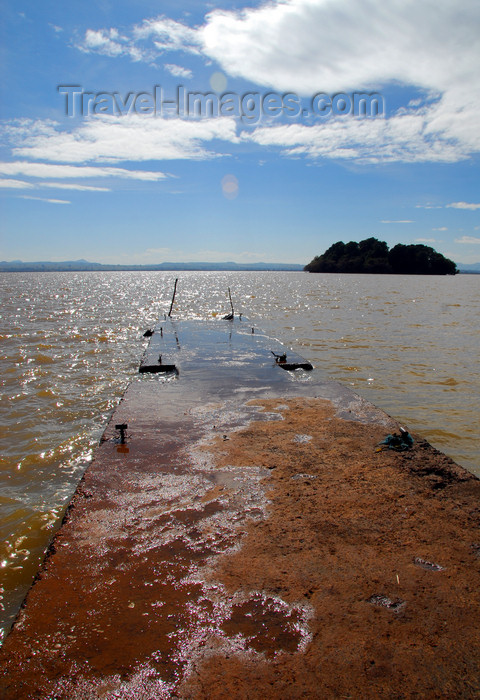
(247, 538)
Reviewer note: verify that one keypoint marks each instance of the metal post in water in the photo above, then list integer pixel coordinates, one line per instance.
(173, 298)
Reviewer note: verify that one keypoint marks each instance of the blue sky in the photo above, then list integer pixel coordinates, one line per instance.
(145, 183)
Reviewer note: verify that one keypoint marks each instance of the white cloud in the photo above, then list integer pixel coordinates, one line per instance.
(178, 71)
(43, 199)
(307, 46)
(401, 138)
(15, 184)
(132, 138)
(47, 170)
(399, 221)
(74, 186)
(168, 35)
(468, 240)
(103, 41)
(428, 206)
(464, 205)
(109, 42)
(162, 34)
(22, 184)
(442, 228)
(425, 240)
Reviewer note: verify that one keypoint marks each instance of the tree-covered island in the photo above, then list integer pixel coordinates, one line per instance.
(373, 256)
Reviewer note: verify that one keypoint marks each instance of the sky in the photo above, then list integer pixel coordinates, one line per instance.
(148, 131)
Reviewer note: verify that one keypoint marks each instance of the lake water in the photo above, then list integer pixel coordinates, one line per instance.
(71, 343)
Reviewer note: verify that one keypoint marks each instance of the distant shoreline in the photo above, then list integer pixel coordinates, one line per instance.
(85, 266)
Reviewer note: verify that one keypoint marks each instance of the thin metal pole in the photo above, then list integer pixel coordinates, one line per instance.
(173, 298)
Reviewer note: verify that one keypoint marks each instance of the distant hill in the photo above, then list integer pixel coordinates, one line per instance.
(473, 268)
(85, 266)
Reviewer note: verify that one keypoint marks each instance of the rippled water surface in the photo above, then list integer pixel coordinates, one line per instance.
(71, 342)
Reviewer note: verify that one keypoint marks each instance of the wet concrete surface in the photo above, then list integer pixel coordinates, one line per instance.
(248, 541)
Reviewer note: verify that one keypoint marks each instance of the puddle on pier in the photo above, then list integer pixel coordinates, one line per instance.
(267, 624)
